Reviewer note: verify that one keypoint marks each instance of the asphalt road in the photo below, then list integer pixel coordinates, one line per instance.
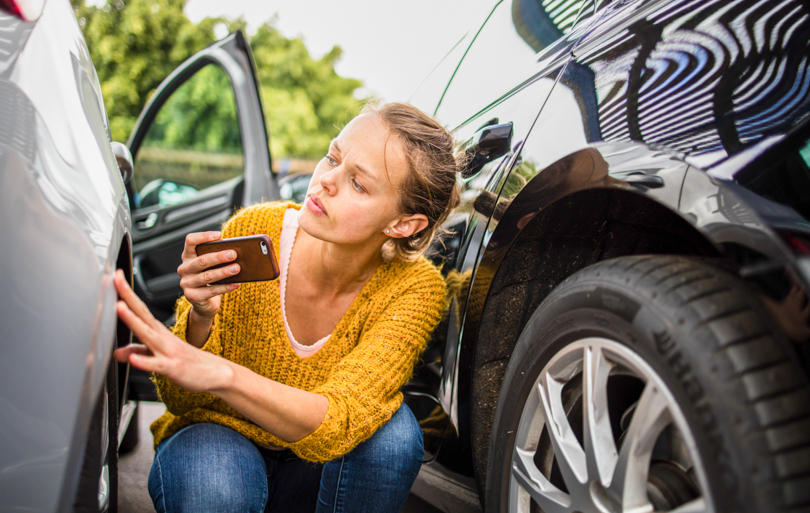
(134, 471)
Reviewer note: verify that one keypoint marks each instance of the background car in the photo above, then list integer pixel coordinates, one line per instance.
(65, 229)
(628, 269)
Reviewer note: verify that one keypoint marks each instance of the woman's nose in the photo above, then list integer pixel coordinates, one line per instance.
(328, 182)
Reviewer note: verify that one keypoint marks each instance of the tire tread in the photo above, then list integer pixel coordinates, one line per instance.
(778, 394)
(747, 356)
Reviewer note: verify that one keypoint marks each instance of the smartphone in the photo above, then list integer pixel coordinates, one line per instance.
(254, 254)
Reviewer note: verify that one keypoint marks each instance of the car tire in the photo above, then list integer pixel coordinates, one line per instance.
(98, 482)
(725, 407)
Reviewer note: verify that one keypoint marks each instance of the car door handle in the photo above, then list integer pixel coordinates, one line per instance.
(649, 181)
(147, 222)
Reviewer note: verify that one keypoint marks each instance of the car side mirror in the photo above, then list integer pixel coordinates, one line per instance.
(488, 143)
(124, 158)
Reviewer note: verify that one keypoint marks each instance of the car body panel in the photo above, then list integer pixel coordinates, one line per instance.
(478, 82)
(698, 192)
(66, 220)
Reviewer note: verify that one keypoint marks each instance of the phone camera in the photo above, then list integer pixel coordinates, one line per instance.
(264, 247)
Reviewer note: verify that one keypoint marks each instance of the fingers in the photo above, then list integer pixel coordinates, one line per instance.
(122, 353)
(142, 362)
(148, 363)
(199, 272)
(143, 331)
(200, 287)
(203, 293)
(134, 303)
(203, 262)
(195, 239)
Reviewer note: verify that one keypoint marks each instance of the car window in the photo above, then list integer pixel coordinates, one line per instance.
(515, 32)
(193, 143)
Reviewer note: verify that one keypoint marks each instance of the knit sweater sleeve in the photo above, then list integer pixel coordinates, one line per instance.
(177, 399)
(363, 388)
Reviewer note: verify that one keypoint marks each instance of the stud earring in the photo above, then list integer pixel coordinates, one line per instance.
(387, 231)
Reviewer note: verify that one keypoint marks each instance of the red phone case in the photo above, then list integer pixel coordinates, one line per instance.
(255, 262)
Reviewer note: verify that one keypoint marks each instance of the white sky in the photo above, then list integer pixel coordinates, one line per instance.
(390, 46)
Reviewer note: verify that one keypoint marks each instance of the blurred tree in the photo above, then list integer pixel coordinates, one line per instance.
(136, 44)
(307, 102)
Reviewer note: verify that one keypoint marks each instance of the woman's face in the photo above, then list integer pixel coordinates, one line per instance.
(351, 198)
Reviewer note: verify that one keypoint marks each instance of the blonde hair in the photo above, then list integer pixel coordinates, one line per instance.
(430, 187)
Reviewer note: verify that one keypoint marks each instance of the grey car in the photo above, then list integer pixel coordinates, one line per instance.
(65, 230)
(70, 217)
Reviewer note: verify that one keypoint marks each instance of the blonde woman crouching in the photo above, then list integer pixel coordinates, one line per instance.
(284, 395)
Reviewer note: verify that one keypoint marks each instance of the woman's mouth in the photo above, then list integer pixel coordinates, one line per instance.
(315, 206)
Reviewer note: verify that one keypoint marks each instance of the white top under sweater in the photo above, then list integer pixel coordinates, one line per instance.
(289, 229)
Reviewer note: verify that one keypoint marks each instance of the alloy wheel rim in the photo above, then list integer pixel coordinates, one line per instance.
(599, 452)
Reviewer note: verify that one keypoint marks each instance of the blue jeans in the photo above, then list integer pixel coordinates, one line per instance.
(208, 467)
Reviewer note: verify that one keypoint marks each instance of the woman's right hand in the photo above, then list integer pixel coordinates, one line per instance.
(196, 274)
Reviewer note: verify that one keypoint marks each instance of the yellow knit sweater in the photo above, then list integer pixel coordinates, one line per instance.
(369, 356)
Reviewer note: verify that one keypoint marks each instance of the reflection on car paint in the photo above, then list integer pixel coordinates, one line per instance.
(705, 82)
(16, 35)
(56, 26)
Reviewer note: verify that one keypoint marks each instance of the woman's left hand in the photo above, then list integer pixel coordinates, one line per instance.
(162, 352)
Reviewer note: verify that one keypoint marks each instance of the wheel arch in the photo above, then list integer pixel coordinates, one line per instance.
(521, 266)
(122, 332)
(124, 263)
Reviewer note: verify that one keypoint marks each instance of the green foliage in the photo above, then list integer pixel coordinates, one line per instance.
(521, 174)
(134, 47)
(307, 103)
(136, 44)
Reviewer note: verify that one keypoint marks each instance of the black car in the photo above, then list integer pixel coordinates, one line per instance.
(628, 320)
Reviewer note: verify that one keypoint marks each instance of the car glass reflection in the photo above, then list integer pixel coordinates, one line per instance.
(481, 77)
(193, 143)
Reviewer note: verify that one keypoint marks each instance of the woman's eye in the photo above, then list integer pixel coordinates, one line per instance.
(357, 186)
(331, 161)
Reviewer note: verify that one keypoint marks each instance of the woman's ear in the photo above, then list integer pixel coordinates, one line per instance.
(406, 226)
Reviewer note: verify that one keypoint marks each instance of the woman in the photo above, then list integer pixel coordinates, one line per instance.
(260, 380)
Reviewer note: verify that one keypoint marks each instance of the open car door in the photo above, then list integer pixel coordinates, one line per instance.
(200, 149)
